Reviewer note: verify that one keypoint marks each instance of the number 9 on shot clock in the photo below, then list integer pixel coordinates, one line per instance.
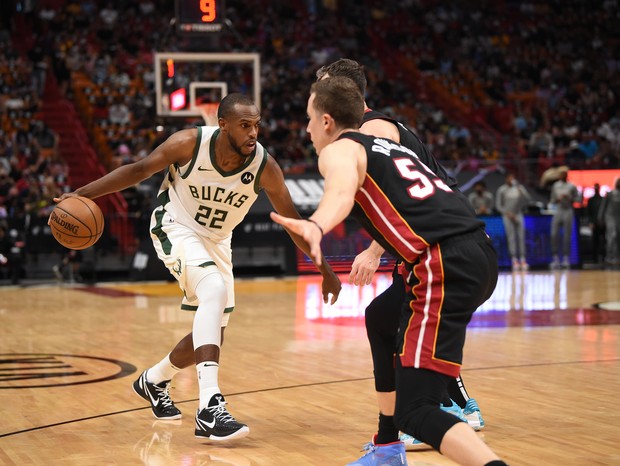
(199, 16)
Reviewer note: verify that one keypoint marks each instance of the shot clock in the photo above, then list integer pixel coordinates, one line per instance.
(199, 16)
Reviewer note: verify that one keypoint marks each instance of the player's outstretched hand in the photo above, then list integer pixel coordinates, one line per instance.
(308, 230)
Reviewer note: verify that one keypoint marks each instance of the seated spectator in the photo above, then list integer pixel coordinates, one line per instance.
(119, 112)
(45, 139)
(589, 146)
(540, 142)
(11, 253)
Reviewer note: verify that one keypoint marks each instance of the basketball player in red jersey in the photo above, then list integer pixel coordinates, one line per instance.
(382, 314)
(450, 262)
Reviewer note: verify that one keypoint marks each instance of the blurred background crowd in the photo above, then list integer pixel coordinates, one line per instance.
(490, 86)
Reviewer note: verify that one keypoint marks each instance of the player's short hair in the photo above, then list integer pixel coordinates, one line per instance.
(227, 105)
(339, 97)
(347, 68)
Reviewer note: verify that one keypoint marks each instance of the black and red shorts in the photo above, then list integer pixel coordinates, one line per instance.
(445, 287)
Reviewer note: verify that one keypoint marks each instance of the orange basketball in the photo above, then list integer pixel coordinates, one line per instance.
(76, 222)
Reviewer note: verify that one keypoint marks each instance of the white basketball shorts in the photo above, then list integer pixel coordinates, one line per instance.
(179, 246)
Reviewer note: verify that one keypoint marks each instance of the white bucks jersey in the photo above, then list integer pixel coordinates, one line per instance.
(201, 196)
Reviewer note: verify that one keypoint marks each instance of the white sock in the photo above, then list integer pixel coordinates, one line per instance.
(163, 370)
(207, 381)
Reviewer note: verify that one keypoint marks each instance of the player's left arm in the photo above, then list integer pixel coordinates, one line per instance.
(272, 181)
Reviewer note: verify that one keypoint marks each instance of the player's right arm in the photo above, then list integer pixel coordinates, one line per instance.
(178, 149)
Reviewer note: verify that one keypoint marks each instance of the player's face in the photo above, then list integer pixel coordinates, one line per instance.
(316, 127)
(242, 129)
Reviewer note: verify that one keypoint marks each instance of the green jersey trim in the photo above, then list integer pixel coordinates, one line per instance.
(245, 165)
(187, 307)
(259, 172)
(194, 155)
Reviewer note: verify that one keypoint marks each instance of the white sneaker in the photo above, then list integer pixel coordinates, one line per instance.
(412, 444)
(473, 416)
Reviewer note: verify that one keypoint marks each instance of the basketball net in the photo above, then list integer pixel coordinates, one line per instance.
(208, 111)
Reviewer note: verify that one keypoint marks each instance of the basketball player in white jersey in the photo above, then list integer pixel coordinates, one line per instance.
(214, 175)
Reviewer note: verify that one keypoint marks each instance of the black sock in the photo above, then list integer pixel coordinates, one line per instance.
(496, 463)
(388, 432)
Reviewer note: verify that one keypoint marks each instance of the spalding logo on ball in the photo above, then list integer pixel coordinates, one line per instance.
(76, 222)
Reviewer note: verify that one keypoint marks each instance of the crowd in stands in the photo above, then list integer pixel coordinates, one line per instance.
(110, 67)
(545, 71)
(481, 82)
(32, 172)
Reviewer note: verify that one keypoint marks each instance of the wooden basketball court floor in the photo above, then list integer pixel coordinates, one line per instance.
(542, 359)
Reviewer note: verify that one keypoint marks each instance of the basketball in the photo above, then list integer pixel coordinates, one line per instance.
(76, 222)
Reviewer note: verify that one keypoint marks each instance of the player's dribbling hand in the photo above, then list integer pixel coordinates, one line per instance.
(65, 196)
(62, 198)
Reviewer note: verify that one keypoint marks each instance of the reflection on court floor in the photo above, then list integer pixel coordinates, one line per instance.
(520, 299)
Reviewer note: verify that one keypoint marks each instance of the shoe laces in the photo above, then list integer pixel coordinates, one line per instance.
(471, 406)
(368, 448)
(219, 412)
(163, 394)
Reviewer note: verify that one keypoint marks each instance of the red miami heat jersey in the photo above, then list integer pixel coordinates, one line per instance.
(410, 140)
(403, 204)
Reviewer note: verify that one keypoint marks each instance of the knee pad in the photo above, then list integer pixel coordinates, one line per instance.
(419, 393)
(210, 289)
(206, 283)
(411, 417)
(383, 313)
(385, 381)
